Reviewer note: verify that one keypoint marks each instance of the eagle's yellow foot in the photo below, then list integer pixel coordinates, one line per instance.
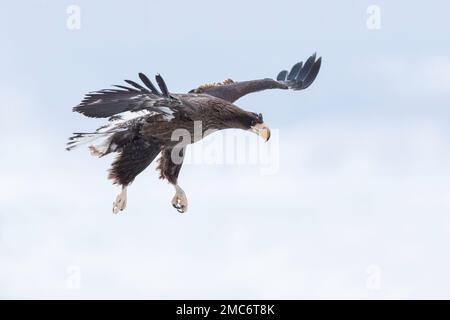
(121, 201)
(179, 201)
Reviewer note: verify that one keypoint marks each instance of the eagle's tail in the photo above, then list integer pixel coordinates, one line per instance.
(134, 152)
(103, 141)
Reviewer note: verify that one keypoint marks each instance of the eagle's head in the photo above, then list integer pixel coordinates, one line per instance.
(227, 116)
(255, 123)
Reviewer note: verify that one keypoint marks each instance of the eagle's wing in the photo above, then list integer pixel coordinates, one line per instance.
(110, 102)
(300, 77)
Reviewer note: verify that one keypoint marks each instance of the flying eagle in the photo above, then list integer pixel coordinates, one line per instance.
(142, 121)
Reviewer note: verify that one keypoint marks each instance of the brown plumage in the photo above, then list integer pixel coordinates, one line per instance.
(144, 122)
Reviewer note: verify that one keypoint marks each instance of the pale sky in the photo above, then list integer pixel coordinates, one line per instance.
(358, 204)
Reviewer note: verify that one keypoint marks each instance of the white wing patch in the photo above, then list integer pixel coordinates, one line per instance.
(165, 110)
(130, 115)
(167, 113)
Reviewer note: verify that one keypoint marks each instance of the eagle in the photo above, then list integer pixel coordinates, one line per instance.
(144, 122)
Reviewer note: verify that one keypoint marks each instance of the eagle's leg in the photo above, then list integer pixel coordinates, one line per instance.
(169, 166)
(121, 200)
(135, 154)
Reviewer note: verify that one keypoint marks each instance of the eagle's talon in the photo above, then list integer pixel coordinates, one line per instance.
(179, 208)
(179, 201)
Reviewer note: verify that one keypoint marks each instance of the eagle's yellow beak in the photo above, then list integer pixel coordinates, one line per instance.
(262, 130)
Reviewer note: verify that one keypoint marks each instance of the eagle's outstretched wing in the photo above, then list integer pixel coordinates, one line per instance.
(300, 77)
(110, 102)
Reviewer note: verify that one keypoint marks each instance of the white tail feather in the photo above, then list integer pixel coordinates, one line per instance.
(100, 149)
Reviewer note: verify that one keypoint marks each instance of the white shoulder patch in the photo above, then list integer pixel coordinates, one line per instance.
(168, 117)
(165, 110)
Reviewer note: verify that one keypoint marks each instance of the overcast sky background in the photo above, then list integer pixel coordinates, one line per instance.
(359, 206)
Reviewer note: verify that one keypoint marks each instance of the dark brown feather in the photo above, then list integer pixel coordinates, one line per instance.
(132, 160)
(167, 168)
(300, 77)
